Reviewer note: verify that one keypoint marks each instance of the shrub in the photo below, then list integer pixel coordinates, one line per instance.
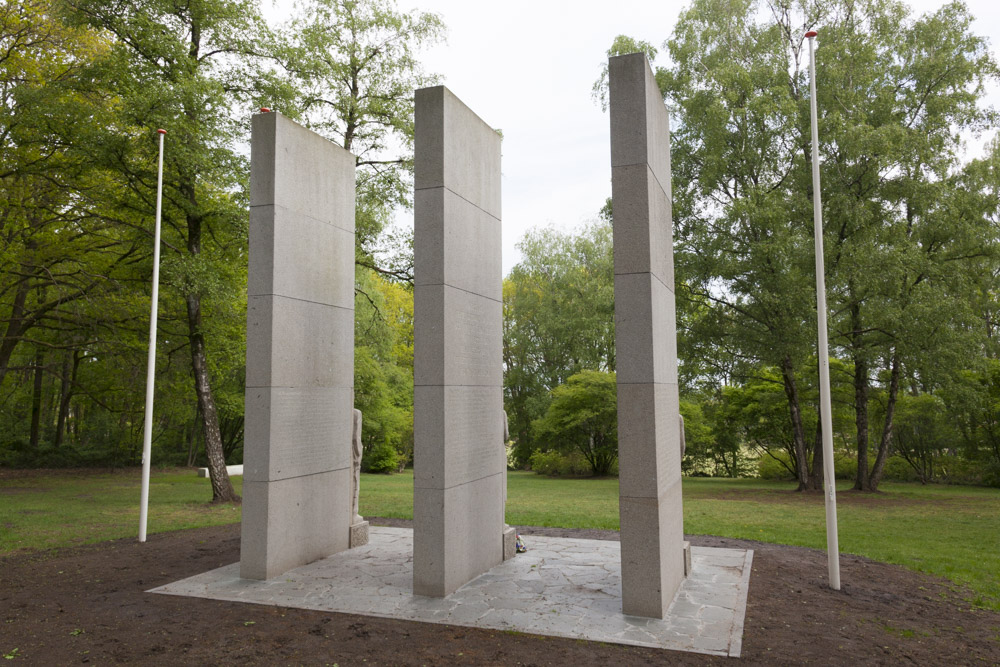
(555, 464)
(845, 466)
(382, 458)
(545, 463)
(897, 469)
(991, 475)
(770, 467)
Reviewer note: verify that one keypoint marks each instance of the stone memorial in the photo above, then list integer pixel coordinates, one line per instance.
(297, 505)
(649, 459)
(458, 400)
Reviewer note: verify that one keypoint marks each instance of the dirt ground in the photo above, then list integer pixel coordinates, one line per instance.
(87, 605)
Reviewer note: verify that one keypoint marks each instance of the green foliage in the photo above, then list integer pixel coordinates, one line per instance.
(382, 458)
(353, 67)
(77, 198)
(558, 321)
(621, 46)
(775, 466)
(383, 367)
(558, 464)
(909, 228)
(583, 416)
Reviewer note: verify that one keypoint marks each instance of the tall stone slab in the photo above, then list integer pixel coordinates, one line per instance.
(649, 458)
(458, 401)
(300, 349)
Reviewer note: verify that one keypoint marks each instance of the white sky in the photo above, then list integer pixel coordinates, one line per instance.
(528, 67)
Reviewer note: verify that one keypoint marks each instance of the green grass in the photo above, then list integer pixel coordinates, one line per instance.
(949, 531)
(43, 511)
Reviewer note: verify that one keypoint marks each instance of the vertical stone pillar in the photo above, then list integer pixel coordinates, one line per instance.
(649, 459)
(300, 349)
(458, 375)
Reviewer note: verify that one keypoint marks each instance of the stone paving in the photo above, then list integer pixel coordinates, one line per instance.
(561, 587)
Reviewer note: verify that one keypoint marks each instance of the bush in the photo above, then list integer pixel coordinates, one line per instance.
(554, 464)
(991, 475)
(381, 458)
(770, 467)
(956, 470)
(845, 466)
(897, 469)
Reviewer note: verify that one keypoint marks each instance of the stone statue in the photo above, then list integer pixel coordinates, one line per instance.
(683, 440)
(506, 437)
(356, 466)
(510, 538)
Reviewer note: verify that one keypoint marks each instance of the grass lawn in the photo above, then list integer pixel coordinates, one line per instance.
(949, 531)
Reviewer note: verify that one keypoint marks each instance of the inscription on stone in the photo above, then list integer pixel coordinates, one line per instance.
(473, 339)
(300, 349)
(472, 434)
(458, 343)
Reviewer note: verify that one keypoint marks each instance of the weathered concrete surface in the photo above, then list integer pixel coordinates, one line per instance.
(458, 372)
(649, 436)
(561, 587)
(300, 349)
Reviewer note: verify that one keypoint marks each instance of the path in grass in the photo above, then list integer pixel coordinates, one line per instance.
(949, 531)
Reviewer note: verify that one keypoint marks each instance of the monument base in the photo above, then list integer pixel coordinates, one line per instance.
(509, 542)
(687, 559)
(359, 534)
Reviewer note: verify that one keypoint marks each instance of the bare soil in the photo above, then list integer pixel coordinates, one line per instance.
(87, 605)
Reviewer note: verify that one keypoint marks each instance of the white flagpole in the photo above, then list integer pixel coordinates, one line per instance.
(147, 429)
(823, 347)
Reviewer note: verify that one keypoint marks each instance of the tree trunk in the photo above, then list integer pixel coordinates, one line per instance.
(886, 441)
(222, 487)
(816, 477)
(36, 399)
(792, 393)
(192, 438)
(67, 381)
(15, 328)
(861, 483)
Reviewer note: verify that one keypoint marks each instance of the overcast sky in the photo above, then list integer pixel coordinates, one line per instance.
(528, 67)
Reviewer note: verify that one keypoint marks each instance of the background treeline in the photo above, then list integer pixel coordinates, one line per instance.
(911, 242)
(911, 237)
(85, 85)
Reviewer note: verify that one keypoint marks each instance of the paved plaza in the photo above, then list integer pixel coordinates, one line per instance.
(561, 587)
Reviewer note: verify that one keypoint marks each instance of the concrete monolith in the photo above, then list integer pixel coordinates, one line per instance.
(300, 349)
(649, 463)
(458, 402)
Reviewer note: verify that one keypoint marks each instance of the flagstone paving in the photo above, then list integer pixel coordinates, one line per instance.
(562, 587)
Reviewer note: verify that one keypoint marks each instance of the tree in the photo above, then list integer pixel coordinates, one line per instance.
(558, 320)
(583, 415)
(53, 252)
(354, 68)
(383, 368)
(896, 93)
(185, 66)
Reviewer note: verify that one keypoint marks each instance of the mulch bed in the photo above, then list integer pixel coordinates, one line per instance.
(87, 605)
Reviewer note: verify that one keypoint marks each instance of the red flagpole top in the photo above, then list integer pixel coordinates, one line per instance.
(811, 33)
(265, 110)
(161, 131)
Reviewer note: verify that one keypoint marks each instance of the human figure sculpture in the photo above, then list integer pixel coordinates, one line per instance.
(506, 437)
(356, 465)
(683, 441)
